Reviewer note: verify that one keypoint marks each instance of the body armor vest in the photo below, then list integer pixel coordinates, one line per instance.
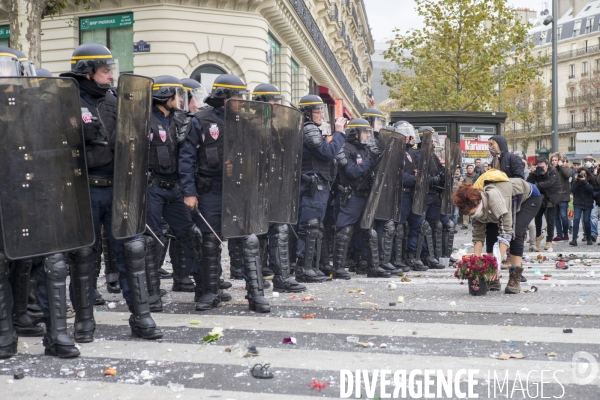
(410, 161)
(106, 113)
(163, 148)
(357, 156)
(327, 169)
(210, 154)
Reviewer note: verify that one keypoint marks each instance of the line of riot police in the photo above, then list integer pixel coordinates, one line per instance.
(155, 165)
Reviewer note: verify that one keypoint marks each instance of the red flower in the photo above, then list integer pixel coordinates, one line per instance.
(478, 268)
(315, 384)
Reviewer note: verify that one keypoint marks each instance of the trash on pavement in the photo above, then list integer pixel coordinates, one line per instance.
(392, 286)
(19, 374)
(308, 316)
(355, 290)
(405, 279)
(176, 387)
(551, 354)
(316, 384)
(110, 371)
(214, 335)
(352, 339)
(194, 322)
(81, 374)
(261, 371)
(365, 344)
(195, 376)
(289, 340)
(112, 305)
(568, 330)
(504, 356)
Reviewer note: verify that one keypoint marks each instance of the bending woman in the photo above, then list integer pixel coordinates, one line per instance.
(499, 202)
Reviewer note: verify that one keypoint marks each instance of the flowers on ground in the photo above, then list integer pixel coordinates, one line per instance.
(480, 269)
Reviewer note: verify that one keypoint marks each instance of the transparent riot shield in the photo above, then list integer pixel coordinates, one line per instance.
(448, 178)
(44, 194)
(385, 200)
(285, 164)
(246, 153)
(419, 205)
(130, 182)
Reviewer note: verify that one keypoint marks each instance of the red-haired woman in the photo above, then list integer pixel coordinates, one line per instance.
(511, 204)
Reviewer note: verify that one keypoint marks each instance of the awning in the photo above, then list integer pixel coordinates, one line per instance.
(325, 94)
(347, 113)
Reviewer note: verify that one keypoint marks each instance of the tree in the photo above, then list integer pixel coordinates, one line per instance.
(455, 58)
(25, 18)
(529, 106)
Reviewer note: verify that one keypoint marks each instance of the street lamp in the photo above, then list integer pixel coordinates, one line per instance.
(547, 21)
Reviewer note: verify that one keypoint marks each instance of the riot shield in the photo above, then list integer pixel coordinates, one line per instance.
(44, 194)
(419, 205)
(285, 164)
(130, 182)
(246, 153)
(385, 200)
(448, 178)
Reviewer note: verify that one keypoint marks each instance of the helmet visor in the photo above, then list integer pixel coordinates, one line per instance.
(405, 129)
(366, 136)
(106, 74)
(181, 99)
(29, 68)
(196, 97)
(9, 66)
(378, 123)
(320, 115)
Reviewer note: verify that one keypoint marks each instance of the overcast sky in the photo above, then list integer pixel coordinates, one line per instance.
(386, 15)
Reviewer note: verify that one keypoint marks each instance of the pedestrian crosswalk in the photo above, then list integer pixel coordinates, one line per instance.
(433, 325)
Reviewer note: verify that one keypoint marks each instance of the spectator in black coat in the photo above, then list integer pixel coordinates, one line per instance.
(564, 174)
(507, 162)
(583, 202)
(545, 177)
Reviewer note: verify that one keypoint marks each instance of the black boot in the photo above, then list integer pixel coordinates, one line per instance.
(111, 273)
(340, 252)
(181, 279)
(8, 336)
(82, 266)
(373, 268)
(282, 282)
(160, 261)
(140, 321)
(267, 272)
(23, 324)
(98, 299)
(431, 261)
(152, 275)
(33, 308)
(324, 260)
(416, 264)
(414, 259)
(305, 271)
(57, 341)
(400, 247)
(209, 271)
(386, 247)
(254, 284)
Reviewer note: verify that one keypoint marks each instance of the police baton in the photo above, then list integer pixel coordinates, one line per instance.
(155, 237)
(207, 224)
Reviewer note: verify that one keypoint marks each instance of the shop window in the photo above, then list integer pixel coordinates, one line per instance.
(274, 61)
(206, 75)
(112, 31)
(4, 35)
(296, 94)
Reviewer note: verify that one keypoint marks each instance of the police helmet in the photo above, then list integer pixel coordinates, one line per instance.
(28, 67)
(43, 73)
(375, 117)
(228, 85)
(311, 102)
(424, 129)
(10, 65)
(406, 129)
(195, 91)
(266, 92)
(88, 57)
(359, 130)
(166, 87)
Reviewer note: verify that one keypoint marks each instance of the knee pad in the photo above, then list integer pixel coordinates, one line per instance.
(313, 224)
(83, 255)
(209, 244)
(55, 267)
(390, 228)
(372, 234)
(425, 228)
(346, 233)
(449, 225)
(252, 242)
(135, 249)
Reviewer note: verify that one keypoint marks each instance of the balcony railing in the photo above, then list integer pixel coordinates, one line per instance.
(342, 32)
(355, 61)
(575, 53)
(583, 99)
(546, 129)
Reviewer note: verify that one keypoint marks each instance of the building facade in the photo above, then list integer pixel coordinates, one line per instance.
(303, 46)
(578, 60)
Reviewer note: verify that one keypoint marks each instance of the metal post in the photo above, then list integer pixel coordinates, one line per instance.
(554, 76)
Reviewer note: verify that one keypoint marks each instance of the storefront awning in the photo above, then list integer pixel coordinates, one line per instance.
(325, 94)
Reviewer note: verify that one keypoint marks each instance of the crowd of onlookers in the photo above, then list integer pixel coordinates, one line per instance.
(571, 194)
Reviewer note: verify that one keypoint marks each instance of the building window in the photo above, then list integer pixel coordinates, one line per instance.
(538, 144)
(313, 87)
(559, 32)
(588, 25)
(274, 61)
(571, 71)
(206, 75)
(112, 31)
(584, 68)
(5, 35)
(576, 28)
(572, 120)
(296, 91)
(572, 141)
(585, 117)
(597, 64)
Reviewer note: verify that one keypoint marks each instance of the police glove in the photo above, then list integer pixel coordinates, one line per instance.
(91, 130)
(373, 150)
(341, 158)
(434, 181)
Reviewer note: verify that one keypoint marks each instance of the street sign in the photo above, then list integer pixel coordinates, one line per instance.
(106, 21)
(141, 47)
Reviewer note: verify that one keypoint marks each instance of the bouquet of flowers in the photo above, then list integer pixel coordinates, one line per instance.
(478, 269)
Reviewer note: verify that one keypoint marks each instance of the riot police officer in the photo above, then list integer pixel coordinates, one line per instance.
(201, 166)
(356, 163)
(432, 227)
(56, 341)
(93, 67)
(278, 237)
(405, 242)
(319, 170)
(196, 95)
(376, 118)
